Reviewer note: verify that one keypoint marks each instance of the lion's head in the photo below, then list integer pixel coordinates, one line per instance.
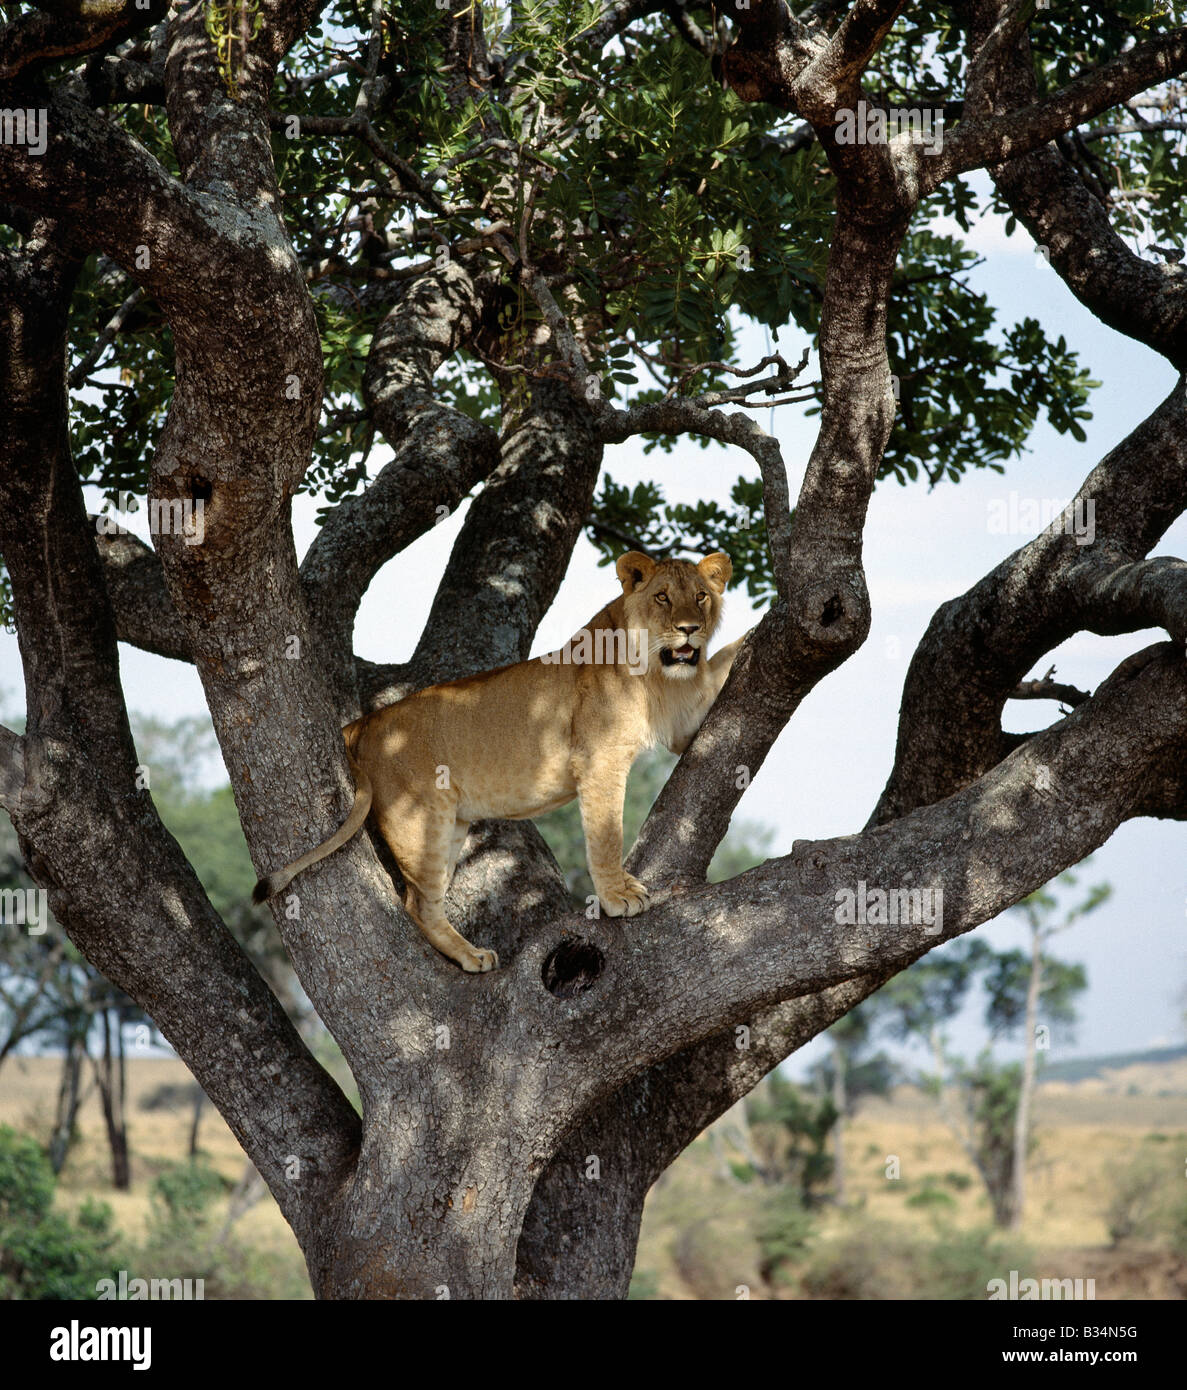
(678, 604)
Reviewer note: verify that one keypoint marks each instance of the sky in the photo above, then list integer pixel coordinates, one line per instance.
(827, 769)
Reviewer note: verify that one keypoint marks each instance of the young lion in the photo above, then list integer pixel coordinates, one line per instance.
(516, 742)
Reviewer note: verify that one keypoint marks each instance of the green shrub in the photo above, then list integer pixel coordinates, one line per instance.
(783, 1229)
(644, 1285)
(877, 1261)
(182, 1195)
(931, 1195)
(1140, 1188)
(960, 1264)
(44, 1254)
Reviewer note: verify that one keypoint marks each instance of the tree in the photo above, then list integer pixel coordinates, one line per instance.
(789, 1130)
(50, 995)
(849, 1074)
(1029, 987)
(251, 245)
(988, 1105)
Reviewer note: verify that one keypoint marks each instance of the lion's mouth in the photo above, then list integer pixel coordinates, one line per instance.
(687, 655)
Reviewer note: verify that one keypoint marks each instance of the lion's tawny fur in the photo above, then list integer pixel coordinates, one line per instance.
(521, 740)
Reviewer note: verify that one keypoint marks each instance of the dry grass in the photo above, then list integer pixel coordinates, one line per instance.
(28, 1088)
(696, 1242)
(696, 1239)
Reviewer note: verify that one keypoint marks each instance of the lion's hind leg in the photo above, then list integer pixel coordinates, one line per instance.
(426, 839)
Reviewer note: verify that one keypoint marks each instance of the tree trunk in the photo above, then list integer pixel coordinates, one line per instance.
(511, 1125)
(196, 1120)
(841, 1106)
(69, 1100)
(1026, 1089)
(111, 1076)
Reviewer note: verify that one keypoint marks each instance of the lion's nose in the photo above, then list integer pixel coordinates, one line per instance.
(688, 628)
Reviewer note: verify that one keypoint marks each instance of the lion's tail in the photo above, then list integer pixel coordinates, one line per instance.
(280, 878)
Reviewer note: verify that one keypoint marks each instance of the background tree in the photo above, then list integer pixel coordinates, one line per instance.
(987, 1104)
(465, 233)
(850, 1073)
(1041, 986)
(789, 1128)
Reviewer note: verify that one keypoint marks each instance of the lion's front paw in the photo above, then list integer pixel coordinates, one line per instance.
(626, 899)
(478, 961)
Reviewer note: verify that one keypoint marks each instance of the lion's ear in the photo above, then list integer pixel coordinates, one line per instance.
(716, 570)
(634, 568)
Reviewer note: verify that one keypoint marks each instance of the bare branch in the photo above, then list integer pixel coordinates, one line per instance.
(111, 330)
(681, 415)
(1048, 689)
(359, 127)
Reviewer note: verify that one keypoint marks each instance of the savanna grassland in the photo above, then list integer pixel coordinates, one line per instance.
(1109, 1149)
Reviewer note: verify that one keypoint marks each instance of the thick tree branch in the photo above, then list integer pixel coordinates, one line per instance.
(826, 614)
(979, 646)
(578, 1238)
(1115, 596)
(12, 767)
(850, 49)
(515, 544)
(118, 198)
(772, 933)
(144, 613)
(70, 29)
(980, 141)
(78, 800)
(1146, 300)
(440, 453)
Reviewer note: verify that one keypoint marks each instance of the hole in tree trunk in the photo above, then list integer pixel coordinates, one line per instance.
(572, 968)
(201, 488)
(833, 610)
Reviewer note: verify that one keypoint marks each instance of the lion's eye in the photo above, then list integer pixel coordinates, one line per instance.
(662, 598)
(702, 597)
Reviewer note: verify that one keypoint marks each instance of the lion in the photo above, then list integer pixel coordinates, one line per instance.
(516, 742)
